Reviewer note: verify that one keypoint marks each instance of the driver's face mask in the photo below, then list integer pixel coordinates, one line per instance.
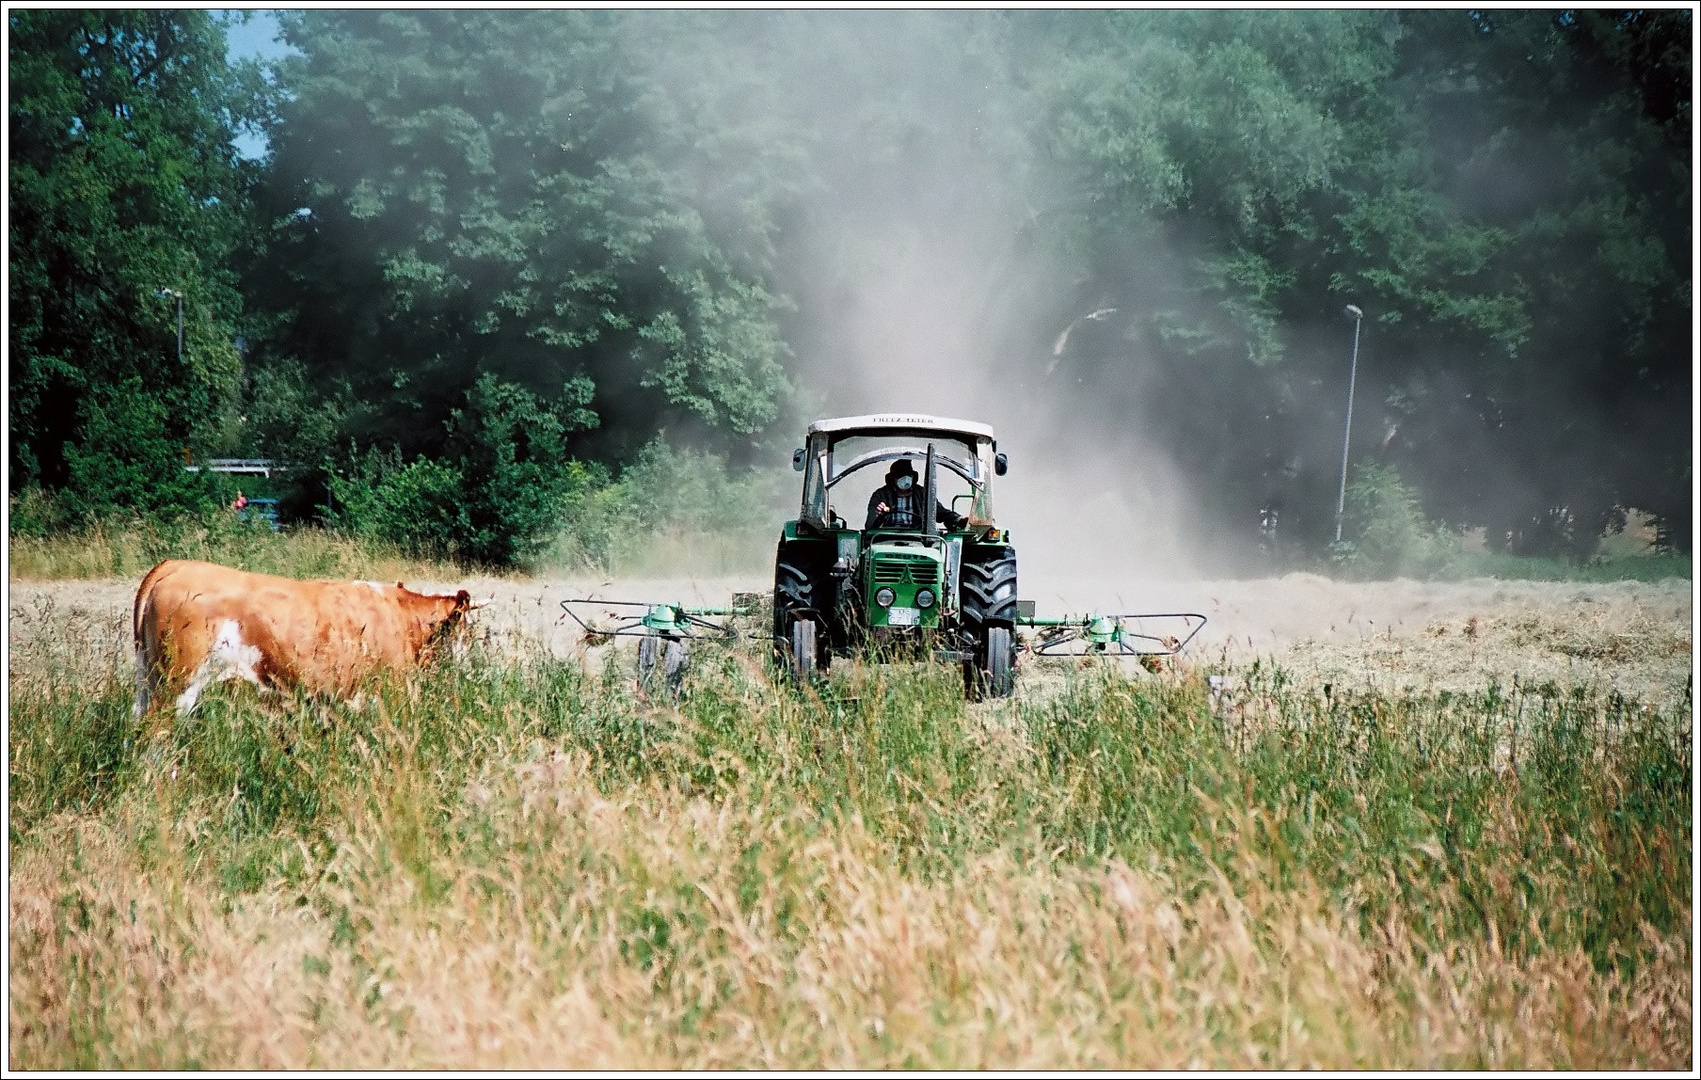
(905, 483)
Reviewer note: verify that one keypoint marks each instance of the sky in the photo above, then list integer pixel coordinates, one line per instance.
(257, 38)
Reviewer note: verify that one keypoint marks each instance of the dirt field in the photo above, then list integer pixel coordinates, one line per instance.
(1633, 637)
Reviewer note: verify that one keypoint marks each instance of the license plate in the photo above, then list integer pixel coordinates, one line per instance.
(903, 616)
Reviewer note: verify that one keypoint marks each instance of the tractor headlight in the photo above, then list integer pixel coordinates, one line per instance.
(884, 596)
(924, 598)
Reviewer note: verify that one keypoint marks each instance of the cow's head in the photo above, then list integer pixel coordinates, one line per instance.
(438, 615)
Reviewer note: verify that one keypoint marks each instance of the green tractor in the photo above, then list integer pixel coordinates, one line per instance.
(889, 571)
(926, 574)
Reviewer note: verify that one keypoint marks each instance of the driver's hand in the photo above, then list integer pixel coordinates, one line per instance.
(883, 508)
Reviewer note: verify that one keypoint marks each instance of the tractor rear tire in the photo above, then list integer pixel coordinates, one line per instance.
(802, 665)
(792, 589)
(992, 673)
(987, 596)
(988, 587)
(801, 594)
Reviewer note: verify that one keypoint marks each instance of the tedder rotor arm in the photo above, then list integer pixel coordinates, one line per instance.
(640, 618)
(1111, 635)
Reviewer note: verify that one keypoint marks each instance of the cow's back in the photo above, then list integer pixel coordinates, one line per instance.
(326, 635)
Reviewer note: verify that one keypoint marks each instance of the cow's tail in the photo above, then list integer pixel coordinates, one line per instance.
(144, 631)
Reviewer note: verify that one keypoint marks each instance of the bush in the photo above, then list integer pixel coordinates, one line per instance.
(1389, 534)
(36, 512)
(672, 510)
(125, 460)
(415, 506)
(495, 500)
(513, 458)
(507, 495)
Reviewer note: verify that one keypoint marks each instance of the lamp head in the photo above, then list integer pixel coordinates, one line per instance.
(1352, 311)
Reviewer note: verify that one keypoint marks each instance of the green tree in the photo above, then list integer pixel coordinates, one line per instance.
(1503, 193)
(123, 182)
(541, 197)
(1547, 391)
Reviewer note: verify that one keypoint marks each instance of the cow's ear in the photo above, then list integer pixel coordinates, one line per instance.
(399, 585)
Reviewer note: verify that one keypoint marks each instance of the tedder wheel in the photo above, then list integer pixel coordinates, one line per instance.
(649, 646)
(802, 649)
(670, 655)
(673, 664)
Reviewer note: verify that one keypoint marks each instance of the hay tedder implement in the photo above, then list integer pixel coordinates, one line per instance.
(665, 632)
(1112, 635)
(928, 575)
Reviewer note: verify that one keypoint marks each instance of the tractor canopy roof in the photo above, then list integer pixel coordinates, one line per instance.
(846, 445)
(876, 423)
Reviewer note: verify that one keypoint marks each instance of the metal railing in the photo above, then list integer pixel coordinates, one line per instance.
(240, 466)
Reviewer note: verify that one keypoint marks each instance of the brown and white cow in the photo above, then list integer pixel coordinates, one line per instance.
(198, 623)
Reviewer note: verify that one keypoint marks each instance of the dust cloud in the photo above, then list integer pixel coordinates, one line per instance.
(921, 284)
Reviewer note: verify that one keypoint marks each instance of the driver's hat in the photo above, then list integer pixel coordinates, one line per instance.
(899, 468)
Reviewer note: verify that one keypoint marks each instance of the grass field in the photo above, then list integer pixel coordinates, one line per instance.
(517, 859)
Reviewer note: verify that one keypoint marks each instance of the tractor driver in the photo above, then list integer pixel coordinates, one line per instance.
(897, 504)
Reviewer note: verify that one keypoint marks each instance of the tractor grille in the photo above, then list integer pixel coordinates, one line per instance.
(919, 572)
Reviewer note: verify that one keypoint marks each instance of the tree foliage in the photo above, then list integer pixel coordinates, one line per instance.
(525, 196)
(490, 248)
(1501, 193)
(123, 182)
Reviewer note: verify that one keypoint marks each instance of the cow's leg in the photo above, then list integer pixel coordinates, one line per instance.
(150, 663)
(187, 700)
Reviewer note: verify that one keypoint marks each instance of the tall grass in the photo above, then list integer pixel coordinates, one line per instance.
(129, 547)
(521, 861)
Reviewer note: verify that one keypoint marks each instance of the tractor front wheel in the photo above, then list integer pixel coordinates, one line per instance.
(1000, 662)
(993, 672)
(802, 666)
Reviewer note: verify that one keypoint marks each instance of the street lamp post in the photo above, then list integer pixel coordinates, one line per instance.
(1357, 316)
(162, 294)
(1063, 338)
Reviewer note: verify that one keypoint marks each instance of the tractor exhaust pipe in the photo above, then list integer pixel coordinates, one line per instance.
(930, 498)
